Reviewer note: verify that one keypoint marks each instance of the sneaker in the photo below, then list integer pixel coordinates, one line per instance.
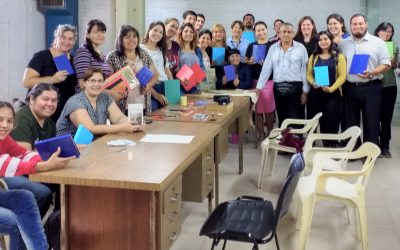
(385, 153)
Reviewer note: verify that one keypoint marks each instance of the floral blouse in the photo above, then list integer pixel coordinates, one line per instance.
(117, 62)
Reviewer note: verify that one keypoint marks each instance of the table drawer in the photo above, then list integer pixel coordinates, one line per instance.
(172, 197)
(171, 229)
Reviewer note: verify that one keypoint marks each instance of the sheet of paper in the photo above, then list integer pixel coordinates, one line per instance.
(167, 138)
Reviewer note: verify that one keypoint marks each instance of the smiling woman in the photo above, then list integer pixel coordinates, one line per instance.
(42, 69)
(91, 108)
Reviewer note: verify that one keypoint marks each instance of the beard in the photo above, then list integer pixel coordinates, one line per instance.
(359, 35)
(249, 25)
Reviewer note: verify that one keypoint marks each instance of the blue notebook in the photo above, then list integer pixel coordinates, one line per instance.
(321, 75)
(83, 135)
(359, 64)
(259, 52)
(47, 147)
(172, 91)
(218, 55)
(249, 36)
(62, 63)
(230, 72)
(144, 75)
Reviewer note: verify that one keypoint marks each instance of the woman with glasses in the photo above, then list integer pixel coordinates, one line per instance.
(385, 31)
(42, 68)
(92, 107)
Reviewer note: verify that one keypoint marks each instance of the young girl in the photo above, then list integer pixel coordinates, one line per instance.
(171, 29)
(155, 45)
(19, 214)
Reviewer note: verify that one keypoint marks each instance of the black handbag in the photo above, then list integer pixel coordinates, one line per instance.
(285, 88)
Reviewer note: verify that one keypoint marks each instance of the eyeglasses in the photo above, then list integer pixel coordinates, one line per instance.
(93, 81)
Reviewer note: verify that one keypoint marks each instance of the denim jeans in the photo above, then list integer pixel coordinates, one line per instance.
(43, 194)
(155, 104)
(19, 217)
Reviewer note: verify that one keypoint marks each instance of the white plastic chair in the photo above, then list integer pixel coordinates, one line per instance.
(322, 184)
(270, 146)
(350, 135)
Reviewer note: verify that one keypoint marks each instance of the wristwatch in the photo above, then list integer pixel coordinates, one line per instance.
(370, 75)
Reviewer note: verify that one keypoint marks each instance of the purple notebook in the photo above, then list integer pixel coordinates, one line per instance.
(62, 63)
(230, 72)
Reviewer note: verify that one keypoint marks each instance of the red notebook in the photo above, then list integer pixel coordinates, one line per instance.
(194, 75)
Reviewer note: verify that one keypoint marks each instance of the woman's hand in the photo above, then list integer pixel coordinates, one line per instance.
(130, 127)
(59, 76)
(251, 60)
(224, 80)
(161, 99)
(54, 162)
(236, 81)
(315, 85)
(327, 89)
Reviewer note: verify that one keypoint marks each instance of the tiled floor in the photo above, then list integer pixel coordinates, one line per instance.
(330, 229)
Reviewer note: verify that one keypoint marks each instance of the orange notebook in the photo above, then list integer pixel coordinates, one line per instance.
(122, 81)
(194, 75)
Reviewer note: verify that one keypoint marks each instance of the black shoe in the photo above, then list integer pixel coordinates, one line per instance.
(385, 153)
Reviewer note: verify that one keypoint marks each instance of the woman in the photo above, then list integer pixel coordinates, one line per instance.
(385, 31)
(171, 30)
(189, 53)
(242, 72)
(336, 26)
(42, 69)
(306, 34)
(91, 108)
(266, 102)
(219, 41)
(277, 25)
(89, 54)
(326, 99)
(236, 41)
(128, 52)
(205, 37)
(19, 214)
(155, 45)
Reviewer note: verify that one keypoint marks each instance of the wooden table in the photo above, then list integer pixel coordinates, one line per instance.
(130, 198)
(239, 115)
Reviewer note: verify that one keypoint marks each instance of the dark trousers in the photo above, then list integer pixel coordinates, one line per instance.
(388, 101)
(330, 104)
(289, 105)
(363, 100)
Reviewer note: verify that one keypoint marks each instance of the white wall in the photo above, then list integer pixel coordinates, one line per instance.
(103, 10)
(22, 33)
(225, 11)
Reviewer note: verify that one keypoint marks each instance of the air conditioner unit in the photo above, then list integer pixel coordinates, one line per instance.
(52, 4)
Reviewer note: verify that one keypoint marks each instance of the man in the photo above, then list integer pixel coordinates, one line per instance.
(248, 21)
(277, 26)
(200, 20)
(362, 92)
(189, 16)
(287, 60)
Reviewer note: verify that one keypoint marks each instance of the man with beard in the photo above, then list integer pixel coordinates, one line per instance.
(362, 92)
(287, 61)
(248, 21)
(200, 20)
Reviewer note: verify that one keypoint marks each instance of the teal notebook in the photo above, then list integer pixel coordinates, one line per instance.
(249, 36)
(83, 135)
(172, 91)
(321, 75)
(218, 55)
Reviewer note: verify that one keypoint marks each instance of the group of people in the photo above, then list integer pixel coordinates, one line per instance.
(57, 102)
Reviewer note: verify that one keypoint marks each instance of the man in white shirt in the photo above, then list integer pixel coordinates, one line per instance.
(362, 92)
(287, 61)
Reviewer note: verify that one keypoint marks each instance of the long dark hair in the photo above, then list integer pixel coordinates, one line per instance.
(384, 26)
(333, 49)
(338, 18)
(299, 35)
(162, 44)
(38, 89)
(89, 45)
(124, 31)
(179, 39)
(208, 32)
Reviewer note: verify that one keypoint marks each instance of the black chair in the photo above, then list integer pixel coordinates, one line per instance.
(252, 219)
